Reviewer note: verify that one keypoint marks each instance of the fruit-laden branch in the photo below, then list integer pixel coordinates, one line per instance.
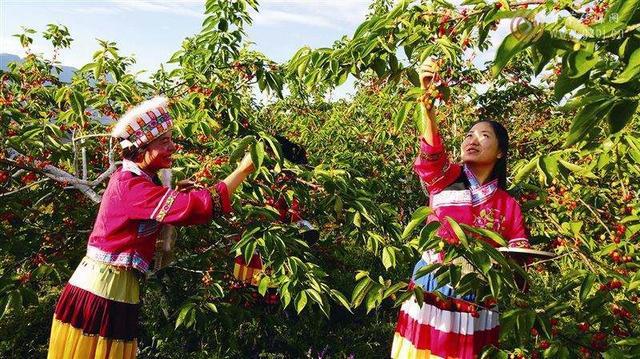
(19, 160)
(23, 188)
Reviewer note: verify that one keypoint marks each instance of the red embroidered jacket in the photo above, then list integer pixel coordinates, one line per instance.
(133, 210)
(455, 192)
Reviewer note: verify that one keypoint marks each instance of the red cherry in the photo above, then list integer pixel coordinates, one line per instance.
(615, 284)
(29, 178)
(544, 344)
(615, 256)
(583, 327)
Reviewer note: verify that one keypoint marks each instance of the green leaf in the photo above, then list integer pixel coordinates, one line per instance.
(524, 171)
(357, 219)
(257, 154)
(275, 146)
(588, 118)
(566, 84)
(624, 9)
(576, 25)
(341, 299)
(361, 274)
(510, 46)
(401, 116)
(315, 296)
(486, 233)
(360, 291)
(374, 296)
(418, 217)
(419, 294)
(413, 76)
(77, 102)
(576, 169)
(587, 284)
(427, 239)
(458, 231)
(629, 342)
(494, 284)
(223, 25)
(455, 273)
(631, 70)
(388, 257)
(286, 299)
(301, 301)
(426, 270)
(263, 285)
(241, 148)
(249, 250)
(481, 260)
(417, 118)
(212, 307)
(338, 205)
(186, 309)
(29, 296)
(621, 113)
(14, 302)
(393, 288)
(580, 62)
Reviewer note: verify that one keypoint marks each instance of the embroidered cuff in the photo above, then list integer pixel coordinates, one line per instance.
(519, 243)
(164, 206)
(220, 198)
(428, 151)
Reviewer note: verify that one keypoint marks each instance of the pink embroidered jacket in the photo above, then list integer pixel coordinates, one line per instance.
(455, 192)
(133, 210)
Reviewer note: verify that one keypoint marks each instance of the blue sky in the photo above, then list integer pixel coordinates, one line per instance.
(152, 30)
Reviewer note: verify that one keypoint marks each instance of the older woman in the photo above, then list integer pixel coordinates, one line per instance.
(97, 313)
(473, 193)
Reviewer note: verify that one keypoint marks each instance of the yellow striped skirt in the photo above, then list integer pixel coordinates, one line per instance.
(97, 313)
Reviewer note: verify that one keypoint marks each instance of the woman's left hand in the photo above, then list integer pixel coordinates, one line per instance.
(246, 165)
(186, 186)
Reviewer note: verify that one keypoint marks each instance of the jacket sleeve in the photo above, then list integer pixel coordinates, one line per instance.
(146, 200)
(433, 166)
(516, 233)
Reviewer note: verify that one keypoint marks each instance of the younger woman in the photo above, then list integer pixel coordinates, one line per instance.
(473, 193)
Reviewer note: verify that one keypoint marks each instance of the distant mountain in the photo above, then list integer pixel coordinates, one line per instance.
(65, 75)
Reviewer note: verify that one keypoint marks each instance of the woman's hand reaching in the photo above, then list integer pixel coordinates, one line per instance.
(427, 71)
(186, 186)
(245, 167)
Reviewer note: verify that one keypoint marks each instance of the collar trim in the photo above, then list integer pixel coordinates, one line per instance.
(132, 167)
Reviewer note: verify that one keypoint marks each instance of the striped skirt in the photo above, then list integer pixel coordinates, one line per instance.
(450, 328)
(97, 313)
(248, 273)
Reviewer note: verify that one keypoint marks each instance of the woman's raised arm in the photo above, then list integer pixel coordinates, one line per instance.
(236, 177)
(429, 127)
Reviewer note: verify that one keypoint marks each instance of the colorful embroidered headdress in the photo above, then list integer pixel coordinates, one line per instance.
(143, 123)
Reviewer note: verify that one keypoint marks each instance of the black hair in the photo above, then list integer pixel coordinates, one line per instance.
(132, 153)
(500, 168)
(292, 151)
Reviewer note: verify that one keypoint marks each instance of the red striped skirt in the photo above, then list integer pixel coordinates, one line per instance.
(97, 313)
(440, 330)
(452, 328)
